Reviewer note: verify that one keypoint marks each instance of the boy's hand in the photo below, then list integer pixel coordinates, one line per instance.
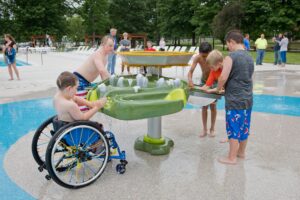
(215, 90)
(100, 103)
(191, 84)
(203, 88)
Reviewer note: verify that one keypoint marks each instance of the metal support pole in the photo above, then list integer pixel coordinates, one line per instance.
(154, 127)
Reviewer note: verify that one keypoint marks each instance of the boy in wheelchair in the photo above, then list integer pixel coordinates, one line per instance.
(74, 150)
(66, 103)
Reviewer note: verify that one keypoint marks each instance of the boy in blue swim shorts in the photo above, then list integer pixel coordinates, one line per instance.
(236, 78)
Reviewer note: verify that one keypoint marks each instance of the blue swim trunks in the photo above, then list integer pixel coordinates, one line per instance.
(83, 83)
(82, 89)
(238, 124)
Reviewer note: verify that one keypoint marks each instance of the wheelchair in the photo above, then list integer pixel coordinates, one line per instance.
(75, 154)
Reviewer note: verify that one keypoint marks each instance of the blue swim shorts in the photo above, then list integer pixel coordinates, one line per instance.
(82, 89)
(238, 124)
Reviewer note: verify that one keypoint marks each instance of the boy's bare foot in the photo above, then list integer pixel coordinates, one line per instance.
(224, 140)
(242, 156)
(227, 161)
(203, 134)
(10, 79)
(212, 133)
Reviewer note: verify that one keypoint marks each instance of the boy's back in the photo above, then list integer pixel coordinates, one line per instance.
(239, 86)
(63, 108)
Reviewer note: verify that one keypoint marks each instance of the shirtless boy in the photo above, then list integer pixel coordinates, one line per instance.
(65, 102)
(200, 59)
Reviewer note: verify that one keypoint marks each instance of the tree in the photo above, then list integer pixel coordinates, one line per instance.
(95, 15)
(174, 22)
(204, 13)
(38, 17)
(285, 17)
(229, 18)
(75, 28)
(128, 15)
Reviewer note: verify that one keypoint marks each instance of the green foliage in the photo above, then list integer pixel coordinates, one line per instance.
(38, 17)
(204, 13)
(172, 19)
(75, 28)
(229, 18)
(174, 22)
(129, 16)
(95, 15)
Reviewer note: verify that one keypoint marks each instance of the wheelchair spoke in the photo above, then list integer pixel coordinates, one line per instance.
(79, 155)
(88, 139)
(72, 138)
(80, 136)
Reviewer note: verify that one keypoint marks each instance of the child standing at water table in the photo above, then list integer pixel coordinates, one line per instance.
(66, 102)
(215, 62)
(204, 50)
(236, 76)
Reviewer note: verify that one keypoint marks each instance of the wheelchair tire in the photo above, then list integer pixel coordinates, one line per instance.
(40, 140)
(77, 154)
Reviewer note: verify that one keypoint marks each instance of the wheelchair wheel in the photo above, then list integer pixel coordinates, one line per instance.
(41, 138)
(77, 154)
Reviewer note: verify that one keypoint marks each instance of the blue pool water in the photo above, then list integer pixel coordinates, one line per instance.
(18, 63)
(283, 105)
(18, 118)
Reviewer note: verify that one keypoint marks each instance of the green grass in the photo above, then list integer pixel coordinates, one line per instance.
(292, 57)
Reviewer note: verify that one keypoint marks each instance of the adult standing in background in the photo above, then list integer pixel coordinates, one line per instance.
(125, 46)
(9, 50)
(162, 44)
(277, 49)
(283, 49)
(112, 57)
(247, 42)
(261, 45)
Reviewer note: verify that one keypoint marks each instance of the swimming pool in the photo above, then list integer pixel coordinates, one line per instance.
(19, 118)
(18, 62)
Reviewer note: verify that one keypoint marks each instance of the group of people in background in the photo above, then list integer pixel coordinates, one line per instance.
(125, 45)
(280, 48)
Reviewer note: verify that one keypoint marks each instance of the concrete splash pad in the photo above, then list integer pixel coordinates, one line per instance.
(270, 171)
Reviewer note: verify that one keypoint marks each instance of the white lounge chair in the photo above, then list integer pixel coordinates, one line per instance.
(171, 48)
(183, 49)
(192, 49)
(177, 48)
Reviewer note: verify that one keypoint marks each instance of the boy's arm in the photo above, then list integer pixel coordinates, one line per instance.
(76, 114)
(101, 69)
(82, 101)
(190, 74)
(227, 66)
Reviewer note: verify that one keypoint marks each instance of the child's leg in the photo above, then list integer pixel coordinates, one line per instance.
(10, 72)
(122, 68)
(16, 70)
(242, 148)
(204, 121)
(233, 150)
(128, 69)
(213, 109)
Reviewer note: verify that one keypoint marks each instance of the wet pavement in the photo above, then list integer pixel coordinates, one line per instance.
(271, 169)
